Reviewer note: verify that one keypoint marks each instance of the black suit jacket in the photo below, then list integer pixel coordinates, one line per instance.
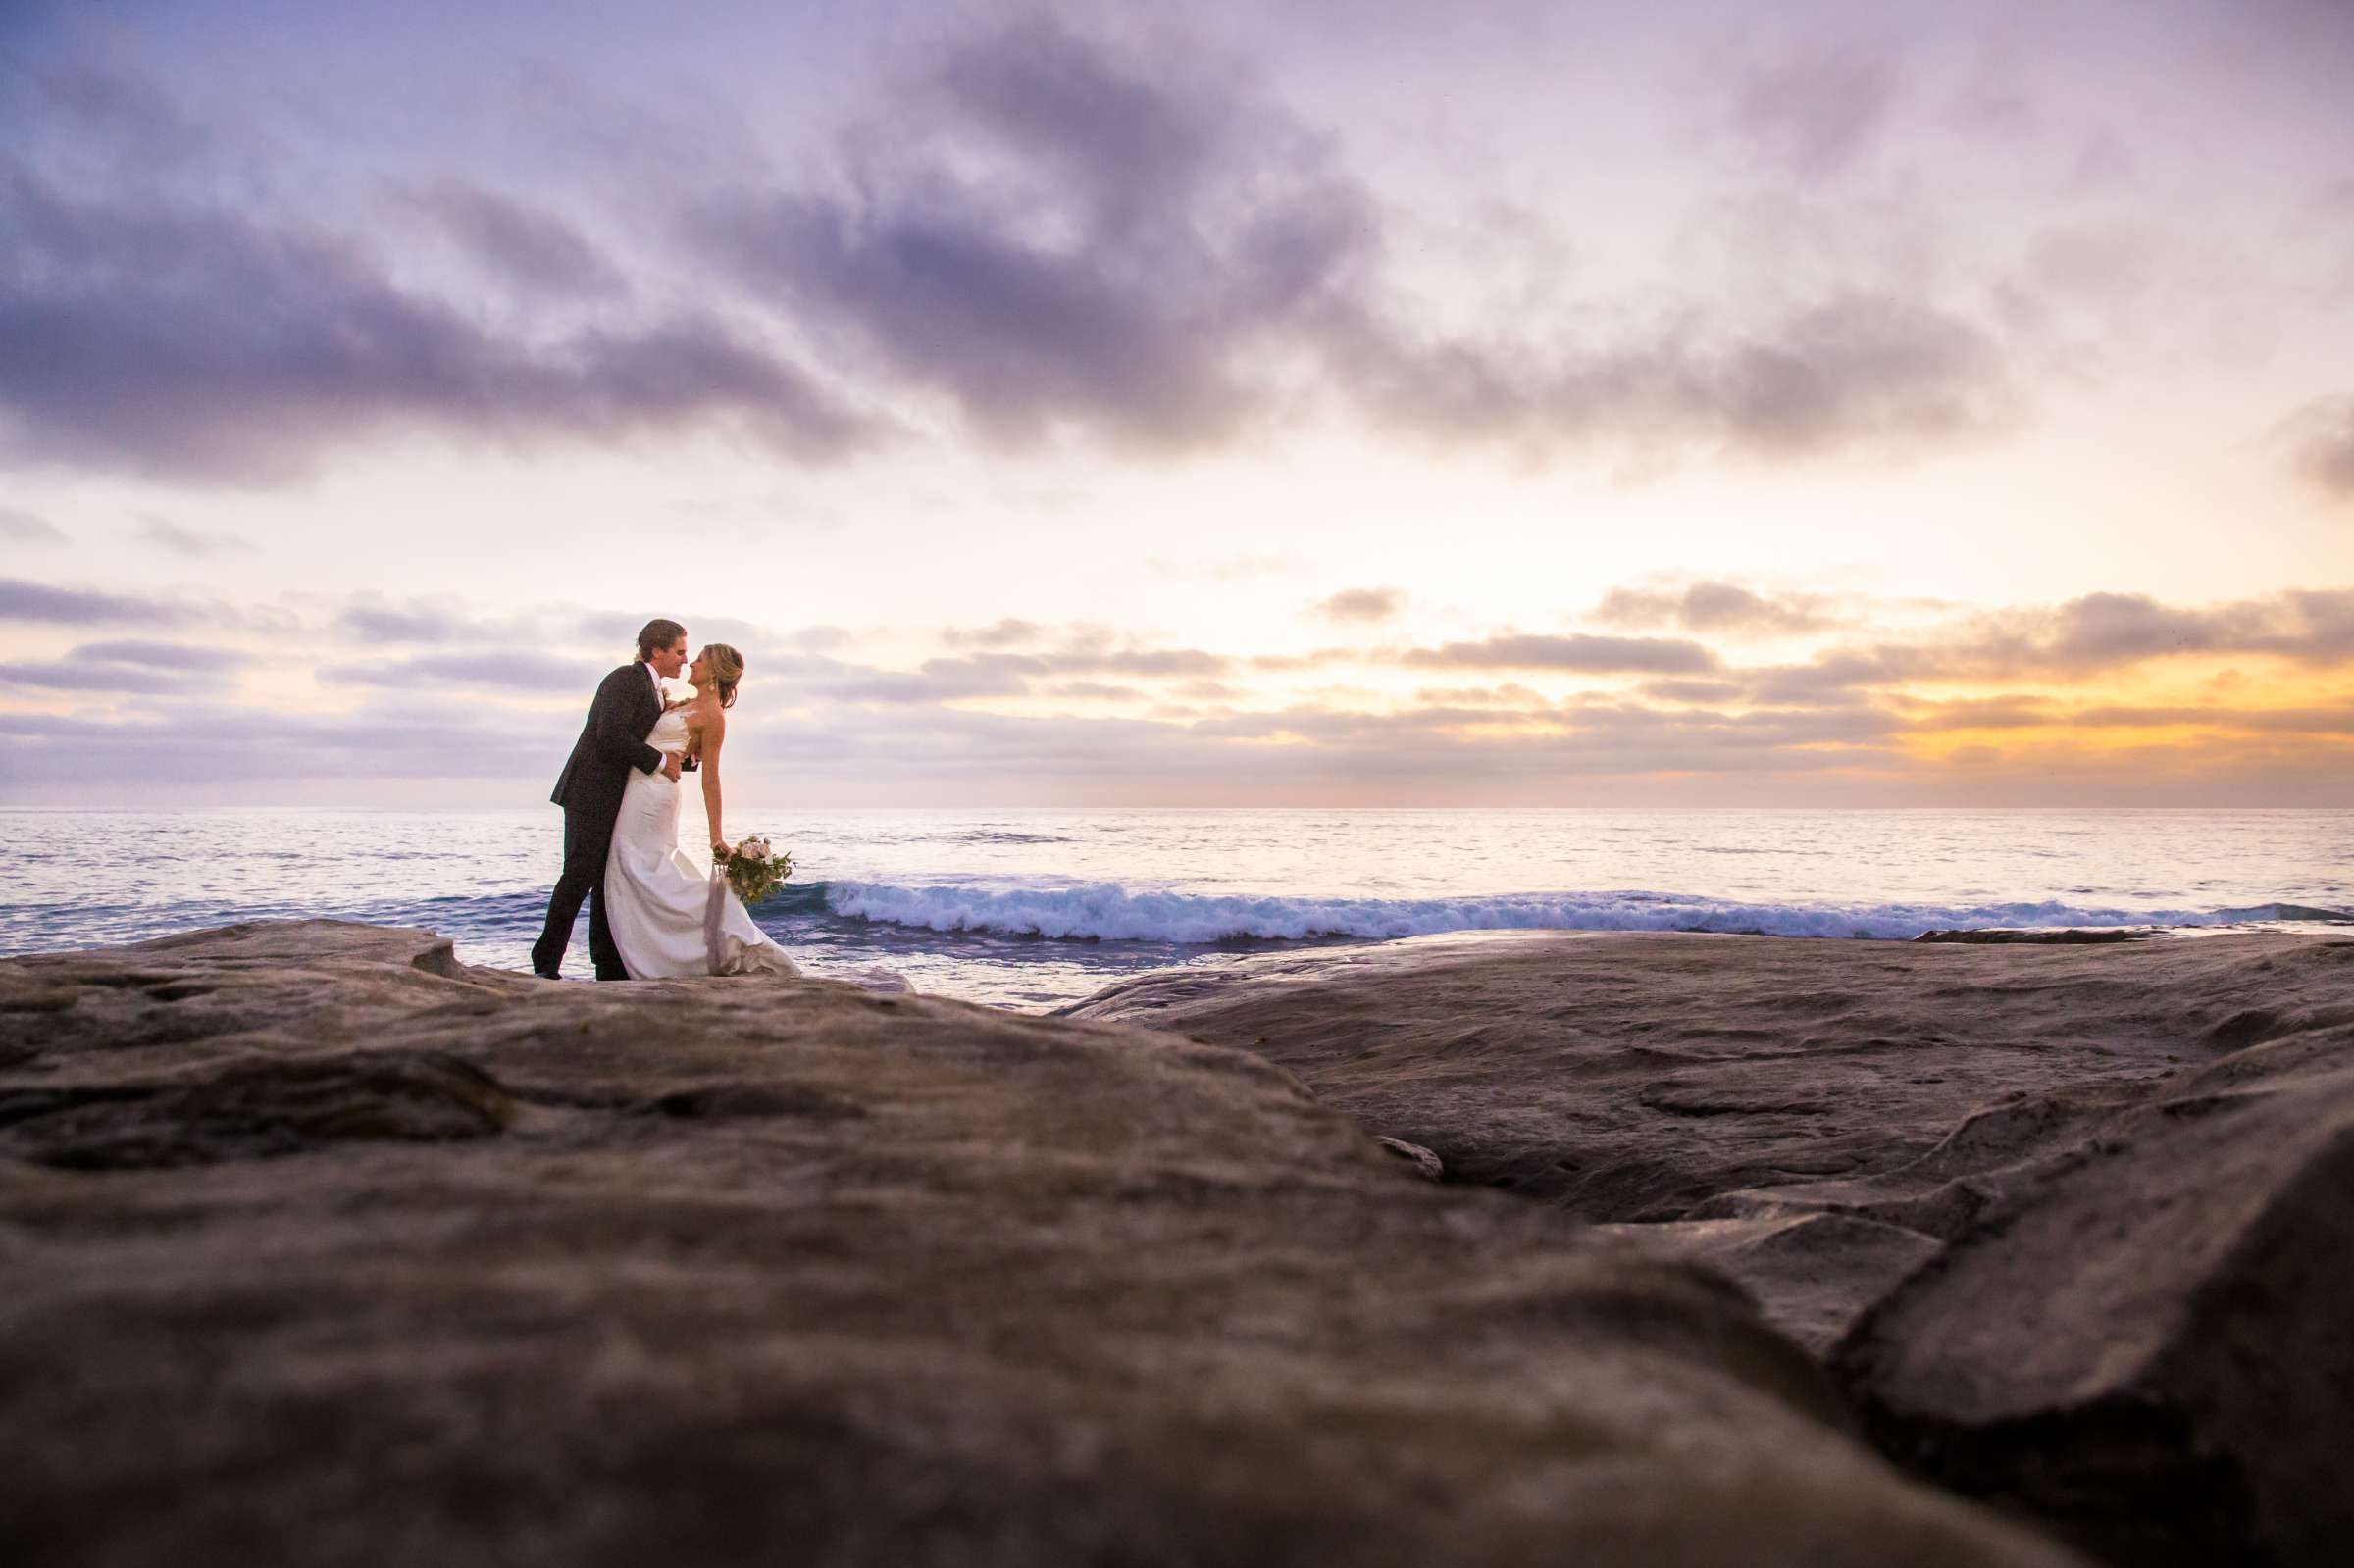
(611, 743)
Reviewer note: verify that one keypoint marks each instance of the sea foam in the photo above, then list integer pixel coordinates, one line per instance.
(1109, 912)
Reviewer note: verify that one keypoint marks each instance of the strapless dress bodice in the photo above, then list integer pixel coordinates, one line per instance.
(670, 731)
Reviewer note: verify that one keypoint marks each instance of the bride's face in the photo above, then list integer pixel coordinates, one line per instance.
(700, 672)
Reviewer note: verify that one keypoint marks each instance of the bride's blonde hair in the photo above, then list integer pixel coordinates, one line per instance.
(727, 669)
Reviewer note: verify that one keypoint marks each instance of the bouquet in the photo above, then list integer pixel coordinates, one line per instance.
(754, 870)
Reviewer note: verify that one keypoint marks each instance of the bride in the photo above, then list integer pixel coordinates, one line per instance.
(668, 917)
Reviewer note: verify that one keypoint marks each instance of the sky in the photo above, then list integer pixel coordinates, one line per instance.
(1337, 403)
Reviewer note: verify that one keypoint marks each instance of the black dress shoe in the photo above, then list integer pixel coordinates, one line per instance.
(546, 974)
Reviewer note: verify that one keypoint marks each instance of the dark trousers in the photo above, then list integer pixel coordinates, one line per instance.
(587, 836)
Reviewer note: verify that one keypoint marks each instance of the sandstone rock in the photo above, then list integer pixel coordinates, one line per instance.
(1812, 1273)
(1632, 1078)
(2145, 1337)
(1424, 1160)
(743, 1271)
(2102, 1197)
(1986, 935)
(254, 1109)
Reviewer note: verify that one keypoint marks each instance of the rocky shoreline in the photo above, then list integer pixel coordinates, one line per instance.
(2069, 1223)
(328, 1248)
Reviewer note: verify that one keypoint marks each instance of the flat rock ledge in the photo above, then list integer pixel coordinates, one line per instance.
(2073, 1224)
(326, 1248)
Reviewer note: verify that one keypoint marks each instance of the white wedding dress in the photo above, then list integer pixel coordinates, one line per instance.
(668, 917)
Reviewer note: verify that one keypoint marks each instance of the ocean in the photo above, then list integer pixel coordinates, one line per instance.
(1035, 908)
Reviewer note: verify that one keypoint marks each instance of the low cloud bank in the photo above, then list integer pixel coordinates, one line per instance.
(2118, 688)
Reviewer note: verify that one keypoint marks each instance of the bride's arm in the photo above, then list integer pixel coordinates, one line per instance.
(716, 732)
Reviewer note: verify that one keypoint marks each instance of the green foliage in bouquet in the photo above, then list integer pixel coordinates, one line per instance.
(755, 871)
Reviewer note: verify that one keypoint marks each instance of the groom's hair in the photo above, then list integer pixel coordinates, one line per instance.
(657, 634)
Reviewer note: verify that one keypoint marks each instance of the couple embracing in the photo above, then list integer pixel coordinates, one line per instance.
(651, 914)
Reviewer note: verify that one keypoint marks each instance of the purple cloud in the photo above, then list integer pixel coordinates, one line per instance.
(206, 344)
(516, 669)
(1361, 604)
(533, 249)
(2326, 453)
(192, 543)
(186, 657)
(1187, 225)
(128, 668)
(20, 527)
(1816, 112)
(20, 600)
(1009, 632)
(2084, 636)
(1716, 607)
(98, 683)
(1056, 233)
(1590, 654)
(372, 622)
(1004, 673)
(1852, 369)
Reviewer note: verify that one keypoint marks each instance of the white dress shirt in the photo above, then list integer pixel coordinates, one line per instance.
(660, 699)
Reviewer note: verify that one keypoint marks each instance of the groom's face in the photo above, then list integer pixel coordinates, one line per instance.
(666, 662)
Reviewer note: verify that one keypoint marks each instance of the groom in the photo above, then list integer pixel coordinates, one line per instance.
(612, 743)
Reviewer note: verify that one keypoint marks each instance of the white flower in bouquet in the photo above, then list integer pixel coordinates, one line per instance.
(754, 870)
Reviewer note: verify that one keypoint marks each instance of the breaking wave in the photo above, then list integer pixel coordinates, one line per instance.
(1109, 912)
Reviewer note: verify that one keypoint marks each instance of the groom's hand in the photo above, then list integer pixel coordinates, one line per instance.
(670, 766)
